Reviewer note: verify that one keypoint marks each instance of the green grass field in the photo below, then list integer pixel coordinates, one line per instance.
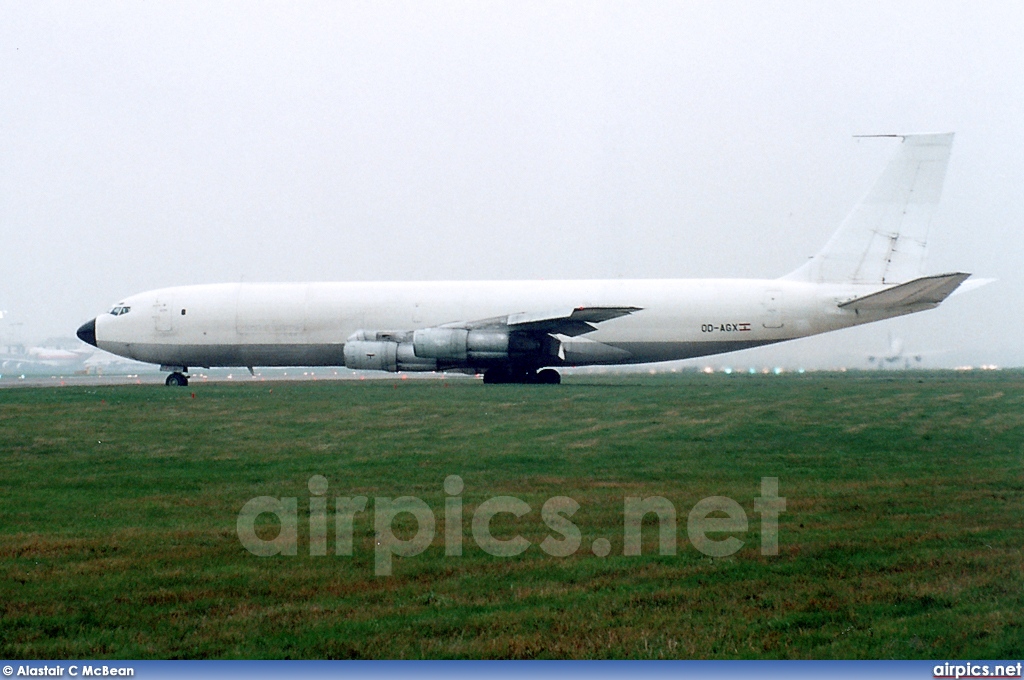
(902, 536)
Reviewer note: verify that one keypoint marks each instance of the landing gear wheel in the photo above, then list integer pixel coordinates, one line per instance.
(176, 380)
(549, 376)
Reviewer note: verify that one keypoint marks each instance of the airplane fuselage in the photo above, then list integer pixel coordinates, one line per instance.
(307, 324)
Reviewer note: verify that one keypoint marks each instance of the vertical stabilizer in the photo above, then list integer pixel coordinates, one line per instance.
(885, 239)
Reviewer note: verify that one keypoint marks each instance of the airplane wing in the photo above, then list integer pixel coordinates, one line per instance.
(568, 322)
(522, 337)
(927, 291)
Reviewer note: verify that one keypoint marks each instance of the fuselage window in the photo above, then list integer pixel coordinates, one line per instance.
(118, 311)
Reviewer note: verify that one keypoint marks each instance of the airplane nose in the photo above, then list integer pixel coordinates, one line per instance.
(87, 332)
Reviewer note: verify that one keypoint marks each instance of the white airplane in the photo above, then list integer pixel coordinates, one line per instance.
(520, 331)
(897, 354)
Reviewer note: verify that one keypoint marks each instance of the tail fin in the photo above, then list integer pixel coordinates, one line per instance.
(885, 239)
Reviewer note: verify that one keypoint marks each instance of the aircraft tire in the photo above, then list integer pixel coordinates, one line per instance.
(176, 380)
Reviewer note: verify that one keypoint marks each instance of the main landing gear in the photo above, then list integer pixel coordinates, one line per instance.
(501, 375)
(177, 378)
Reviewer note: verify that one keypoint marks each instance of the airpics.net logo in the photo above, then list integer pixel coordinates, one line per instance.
(969, 669)
(707, 524)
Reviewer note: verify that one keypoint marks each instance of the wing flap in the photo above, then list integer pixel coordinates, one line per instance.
(928, 291)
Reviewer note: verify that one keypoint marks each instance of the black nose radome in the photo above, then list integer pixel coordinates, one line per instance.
(87, 332)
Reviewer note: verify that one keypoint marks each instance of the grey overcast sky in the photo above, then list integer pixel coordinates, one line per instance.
(162, 143)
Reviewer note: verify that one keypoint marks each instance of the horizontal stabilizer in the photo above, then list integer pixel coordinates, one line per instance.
(974, 284)
(927, 291)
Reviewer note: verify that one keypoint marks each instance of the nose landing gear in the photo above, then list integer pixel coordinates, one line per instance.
(178, 377)
(176, 380)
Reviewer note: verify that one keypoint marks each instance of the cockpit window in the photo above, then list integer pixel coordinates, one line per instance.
(119, 310)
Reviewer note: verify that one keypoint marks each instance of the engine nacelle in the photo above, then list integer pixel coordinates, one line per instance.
(384, 355)
(371, 355)
(459, 344)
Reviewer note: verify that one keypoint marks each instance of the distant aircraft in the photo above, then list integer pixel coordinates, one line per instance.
(42, 358)
(520, 331)
(894, 355)
(897, 355)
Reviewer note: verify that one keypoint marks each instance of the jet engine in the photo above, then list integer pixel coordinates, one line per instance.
(384, 352)
(461, 345)
(432, 349)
